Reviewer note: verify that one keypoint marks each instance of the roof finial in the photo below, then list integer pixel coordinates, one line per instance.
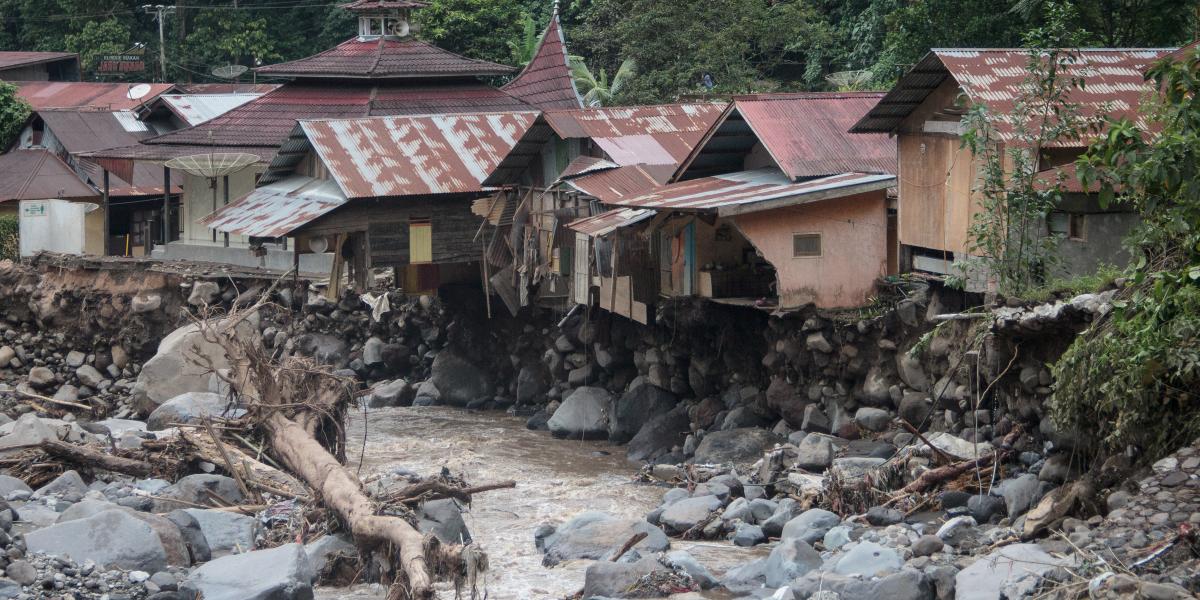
(556, 8)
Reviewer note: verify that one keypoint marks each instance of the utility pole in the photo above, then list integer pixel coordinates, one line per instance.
(160, 11)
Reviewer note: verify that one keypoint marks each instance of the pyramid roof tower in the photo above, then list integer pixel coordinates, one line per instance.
(546, 81)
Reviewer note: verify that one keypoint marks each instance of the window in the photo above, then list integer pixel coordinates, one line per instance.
(420, 241)
(806, 245)
(1069, 225)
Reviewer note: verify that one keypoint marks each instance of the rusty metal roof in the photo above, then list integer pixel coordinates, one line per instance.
(1114, 77)
(613, 184)
(751, 191)
(385, 58)
(82, 132)
(381, 5)
(268, 120)
(226, 88)
(586, 164)
(546, 82)
(39, 175)
(13, 59)
(609, 221)
(407, 156)
(805, 134)
(43, 95)
(277, 209)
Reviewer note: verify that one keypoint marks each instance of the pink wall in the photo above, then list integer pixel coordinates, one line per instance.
(853, 249)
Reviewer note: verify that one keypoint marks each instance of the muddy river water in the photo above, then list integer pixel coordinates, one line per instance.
(556, 479)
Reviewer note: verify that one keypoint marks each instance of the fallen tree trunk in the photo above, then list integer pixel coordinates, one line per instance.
(261, 476)
(84, 456)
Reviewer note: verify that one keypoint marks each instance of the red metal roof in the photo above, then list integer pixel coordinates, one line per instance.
(1114, 77)
(39, 175)
(12, 59)
(1185, 52)
(409, 156)
(226, 88)
(638, 134)
(385, 58)
(586, 164)
(614, 184)
(42, 95)
(267, 121)
(749, 191)
(609, 221)
(382, 5)
(277, 209)
(546, 81)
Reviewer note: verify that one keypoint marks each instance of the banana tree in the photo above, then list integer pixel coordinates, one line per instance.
(599, 91)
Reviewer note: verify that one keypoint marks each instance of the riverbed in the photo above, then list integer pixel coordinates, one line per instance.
(556, 479)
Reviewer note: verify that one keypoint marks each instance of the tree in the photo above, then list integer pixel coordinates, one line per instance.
(524, 49)
(14, 112)
(600, 92)
(97, 39)
(221, 37)
(483, 29)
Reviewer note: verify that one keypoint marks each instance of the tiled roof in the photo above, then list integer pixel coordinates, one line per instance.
(546, 81)
(385, 58)
(413, 156)
(91, 95)
(226, 88)
(806, 134)
(268, 120)
(750, 191)
(11, 59)
(39, 175)
(1114, 78)
(382, 5)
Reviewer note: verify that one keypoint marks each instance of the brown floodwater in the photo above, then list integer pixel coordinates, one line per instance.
(556, 479)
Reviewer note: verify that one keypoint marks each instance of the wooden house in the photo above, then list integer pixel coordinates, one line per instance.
(342, 186)
(938, 176)
(777, 206)
(39, 66)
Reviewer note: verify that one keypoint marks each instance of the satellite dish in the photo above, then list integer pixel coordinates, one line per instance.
(212, 165)
(229, 71)
(318, 245)
(138, 91)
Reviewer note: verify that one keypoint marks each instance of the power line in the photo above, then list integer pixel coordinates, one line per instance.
(115, 13)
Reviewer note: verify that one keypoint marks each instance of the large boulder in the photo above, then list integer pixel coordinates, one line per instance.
(908, 584)
(635, 408)
(734, 446)
(193, 537)
(659, 435)
(810, 525)
(868, 559)
(172, 371)
(582, 415)
(67, 484)
(196, 489)
(444, 519)
(683, 515)
(113, 539)
(324, 348)
(282, 573)
(458, 381)
(604, 579)
(191, 407)
(1013, 571)
(591, 535)
(224, 533)
(392, 393)
(789, 560)
(10, 484)
(533, 381)
(785, 400)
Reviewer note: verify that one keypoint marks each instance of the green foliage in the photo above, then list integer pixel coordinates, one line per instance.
(600, 91)
(1058, 287)
(10, 237)
(527, 46)
(483, 29)
(97, 39)
(14, 112)
(221, 37)
(1132, 379)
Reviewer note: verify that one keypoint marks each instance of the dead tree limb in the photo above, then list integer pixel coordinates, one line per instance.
(933, 477)
(84, 456)
(261, 476)
(432, 489)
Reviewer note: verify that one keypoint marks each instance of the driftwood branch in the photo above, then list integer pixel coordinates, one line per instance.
(84, 456)
(432, 489)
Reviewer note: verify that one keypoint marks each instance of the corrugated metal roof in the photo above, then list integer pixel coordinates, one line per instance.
(1114, 80)
(39, 175)
(748, 191)
(43, 95)
(611, 185)
(268, 120)
(385, 58)
(83, 132)
(609, 221)
(227, 88)
(586, 164)
(11, 59)
(653, 133)
(277, 209)
(546, 82)
(406, 156)
(195, 109)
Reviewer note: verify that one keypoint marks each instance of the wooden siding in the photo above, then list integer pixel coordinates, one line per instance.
(936, 201)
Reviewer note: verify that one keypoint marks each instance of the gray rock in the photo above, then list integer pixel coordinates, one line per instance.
(911, 372)
(685, 514)
(532, 384)
(582, 415)
(792, 558)
(195, 489)
(635, 408)
(427, 395)
(608, 579)
(89, 376)
(27, 430)
(327, 546)
(444, 519)
(814, 453)
(172, 371)
(68, 483)
(326, 349)
(685, 562)
(927, 545)
(391, 393)
(880, 516)
(40, 377)
(459, 382)
(815, 420)
(1013, 571)
(659, 435)
(873, 419)
(112, 539)
(190, 408)
(984, 508)
(747, 535)
(868, 559)
(734, 446)
(908, 584)
(9, 484)
(282, 573)
(836, 537)
(810, 526)
(372, 353)
(225, 533)
(591, 535)
(1019, 494)
(784, 513)
(203, 292)
(86, 508)
(191, 534)
(21, 572)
